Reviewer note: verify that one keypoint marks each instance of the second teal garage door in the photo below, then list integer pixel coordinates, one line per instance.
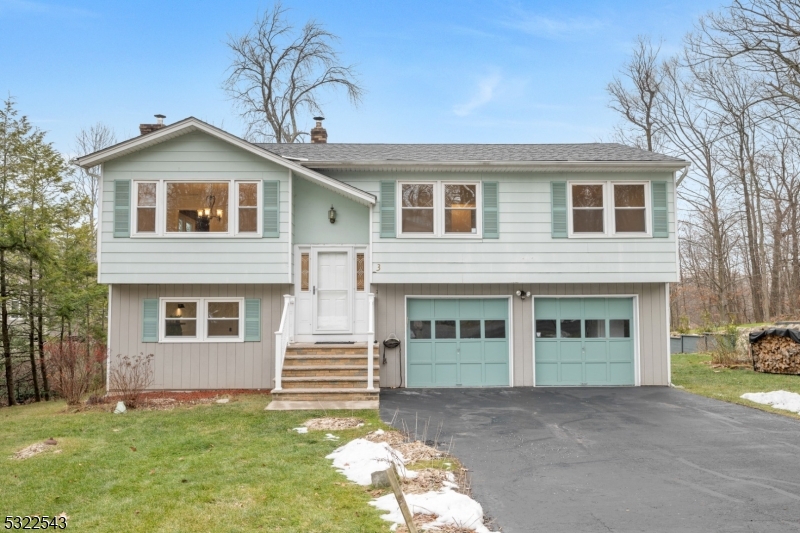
(458, 342)
(584, 341)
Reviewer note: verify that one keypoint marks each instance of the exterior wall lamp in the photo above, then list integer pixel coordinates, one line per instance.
(523, 294)
(332, 214)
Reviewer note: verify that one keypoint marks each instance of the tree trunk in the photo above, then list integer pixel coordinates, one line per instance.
(40, 338)
(31, 346)
(4, 327)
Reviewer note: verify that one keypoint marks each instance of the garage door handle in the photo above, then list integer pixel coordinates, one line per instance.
(314, 290)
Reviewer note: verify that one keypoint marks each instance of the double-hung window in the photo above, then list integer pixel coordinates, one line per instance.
(181, 208)
(599, 209)
(202, 320)
(439, 209)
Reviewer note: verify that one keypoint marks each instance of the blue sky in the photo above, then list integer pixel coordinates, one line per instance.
(464, 71)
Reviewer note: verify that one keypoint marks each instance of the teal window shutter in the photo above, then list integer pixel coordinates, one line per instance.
(491, 224)
(388, 209)
(150, 320)
(660, 217)
(122, 208)
(272, 206)
(252, 320)
(558, 205)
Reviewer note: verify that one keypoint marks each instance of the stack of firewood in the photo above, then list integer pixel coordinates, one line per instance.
(775, 354)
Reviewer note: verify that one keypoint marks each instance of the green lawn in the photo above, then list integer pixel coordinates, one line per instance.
(691, 372)
(218, 467)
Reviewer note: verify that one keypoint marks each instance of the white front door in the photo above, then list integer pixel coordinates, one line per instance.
(332, 291)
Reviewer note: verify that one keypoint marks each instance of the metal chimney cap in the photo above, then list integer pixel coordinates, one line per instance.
(160, 118)
(319, 119)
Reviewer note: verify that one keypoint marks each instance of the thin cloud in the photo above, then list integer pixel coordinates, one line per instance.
(485, 93)
(41, 8)
(553, 28)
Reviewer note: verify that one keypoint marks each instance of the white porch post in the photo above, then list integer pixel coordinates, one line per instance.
(370, 339)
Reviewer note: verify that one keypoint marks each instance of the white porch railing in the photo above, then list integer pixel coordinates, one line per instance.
(283, 337)
(370, 338)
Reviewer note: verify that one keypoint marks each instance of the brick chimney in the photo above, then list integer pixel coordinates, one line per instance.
(318, 134)
(144, 129)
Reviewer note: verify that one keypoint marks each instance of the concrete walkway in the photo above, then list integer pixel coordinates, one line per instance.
(615, 459)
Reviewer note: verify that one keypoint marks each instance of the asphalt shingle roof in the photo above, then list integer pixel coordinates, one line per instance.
(341, 152)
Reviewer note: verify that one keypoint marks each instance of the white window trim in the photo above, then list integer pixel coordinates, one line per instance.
(161, 210)
(647, 212)
(439, 209)
(135, 210)
(202, 319)
(609, 226)
(259, 209)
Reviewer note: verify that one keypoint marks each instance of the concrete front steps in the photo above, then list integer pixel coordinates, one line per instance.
(327, 376)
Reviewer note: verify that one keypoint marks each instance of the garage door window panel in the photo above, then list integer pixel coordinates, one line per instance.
(420, 329)
(594, 329)
(619, 328)
(495, 329)
(445, 329)
(570, 329)
(546, 329)
(470, 329)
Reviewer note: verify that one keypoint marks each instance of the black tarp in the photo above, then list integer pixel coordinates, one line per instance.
(778, 332)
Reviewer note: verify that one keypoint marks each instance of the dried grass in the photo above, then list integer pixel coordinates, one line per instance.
(330, 423)
(428, 479)
(392, 438)
(417, 451)
(34, 449)
(422, 520)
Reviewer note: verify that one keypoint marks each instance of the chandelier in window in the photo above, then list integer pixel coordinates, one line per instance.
(208, 213)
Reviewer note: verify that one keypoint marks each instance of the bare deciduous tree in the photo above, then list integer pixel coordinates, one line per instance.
(88, 141)
(761, 35)
(637, 105)
(277, 74)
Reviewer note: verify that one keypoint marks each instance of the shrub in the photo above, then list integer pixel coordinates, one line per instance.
(723, 351)
(130, 377)
(73, 367)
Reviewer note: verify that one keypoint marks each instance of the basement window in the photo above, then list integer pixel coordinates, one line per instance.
(202, 319)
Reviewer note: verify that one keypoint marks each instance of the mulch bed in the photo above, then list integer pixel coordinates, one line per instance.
(166, 400)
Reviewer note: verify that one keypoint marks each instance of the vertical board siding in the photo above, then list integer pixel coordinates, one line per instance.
(653, 334)
(192, 157)
(184, 366)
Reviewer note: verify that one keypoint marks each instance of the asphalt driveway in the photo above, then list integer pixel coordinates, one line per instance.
(615, 459)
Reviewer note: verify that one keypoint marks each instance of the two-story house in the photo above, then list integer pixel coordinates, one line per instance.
(275, 266)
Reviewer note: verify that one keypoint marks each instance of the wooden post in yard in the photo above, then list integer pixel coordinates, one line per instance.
(401, 500)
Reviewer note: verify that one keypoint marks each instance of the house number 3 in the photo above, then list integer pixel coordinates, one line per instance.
(377, 267)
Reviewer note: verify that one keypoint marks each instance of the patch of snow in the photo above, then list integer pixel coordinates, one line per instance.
(378, 432)
(359, 458)
(331, 436)
(301, 429)
(223, 400)
(451, 508)
(779, 399)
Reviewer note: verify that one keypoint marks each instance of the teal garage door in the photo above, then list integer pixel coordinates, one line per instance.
(457, 342)
(584, 341)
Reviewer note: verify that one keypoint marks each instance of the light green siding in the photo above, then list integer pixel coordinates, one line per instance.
(310, 213)
(207, 259)
(525, 251)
